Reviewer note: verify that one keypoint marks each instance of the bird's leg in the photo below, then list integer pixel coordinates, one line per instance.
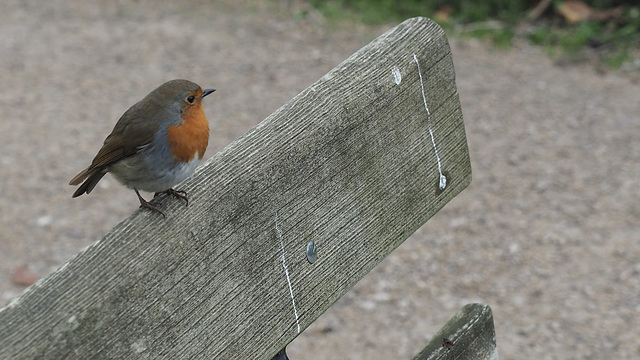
(180, 194)
(146, 204)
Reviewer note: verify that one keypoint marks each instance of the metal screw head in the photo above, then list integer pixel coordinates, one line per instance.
(442, 183)
(312, 252)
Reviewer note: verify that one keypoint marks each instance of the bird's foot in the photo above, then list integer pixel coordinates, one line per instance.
(147, 204)
(180, 194)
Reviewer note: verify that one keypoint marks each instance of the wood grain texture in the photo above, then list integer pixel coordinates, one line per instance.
(471, 334)
(348, 163)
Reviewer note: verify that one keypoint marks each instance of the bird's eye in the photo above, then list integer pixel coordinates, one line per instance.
(191, 99)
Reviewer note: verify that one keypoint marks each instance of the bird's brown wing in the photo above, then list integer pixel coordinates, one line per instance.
(129, 135)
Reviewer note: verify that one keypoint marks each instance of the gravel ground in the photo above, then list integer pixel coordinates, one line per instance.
(546, 234)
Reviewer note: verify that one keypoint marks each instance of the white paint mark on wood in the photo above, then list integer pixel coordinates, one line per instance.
(442, 183)
(397, 76)
(139, 346)
(286, 272)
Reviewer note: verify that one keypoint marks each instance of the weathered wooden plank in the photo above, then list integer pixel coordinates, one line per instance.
(468, 335)
(349, 164)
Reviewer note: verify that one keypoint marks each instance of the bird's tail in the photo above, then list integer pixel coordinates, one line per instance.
(92, 176)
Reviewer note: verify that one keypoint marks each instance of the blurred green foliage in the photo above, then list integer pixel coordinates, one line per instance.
(502, 21)
(382, 11)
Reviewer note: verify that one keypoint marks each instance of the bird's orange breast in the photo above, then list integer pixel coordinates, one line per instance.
(191, 137)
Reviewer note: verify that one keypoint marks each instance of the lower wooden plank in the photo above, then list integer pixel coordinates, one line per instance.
(468, 335)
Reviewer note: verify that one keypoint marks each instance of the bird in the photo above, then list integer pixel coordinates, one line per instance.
(157, 143)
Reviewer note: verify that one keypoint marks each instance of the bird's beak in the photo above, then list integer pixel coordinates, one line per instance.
(207, 92)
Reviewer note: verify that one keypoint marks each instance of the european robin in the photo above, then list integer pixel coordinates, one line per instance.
(156, 144)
